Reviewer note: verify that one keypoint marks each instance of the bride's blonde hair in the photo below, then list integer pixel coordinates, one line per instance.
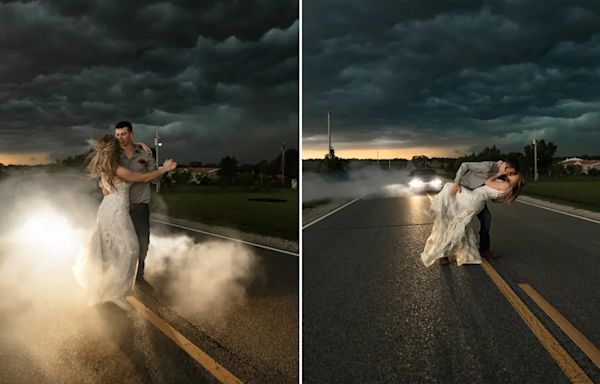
(514, 191)
(104, 159)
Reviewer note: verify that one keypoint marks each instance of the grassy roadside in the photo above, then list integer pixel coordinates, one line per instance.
(270, 213)
(580, 192)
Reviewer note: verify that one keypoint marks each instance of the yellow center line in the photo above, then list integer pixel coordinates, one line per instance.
(571, 369)
(217, 370)
(578, 338)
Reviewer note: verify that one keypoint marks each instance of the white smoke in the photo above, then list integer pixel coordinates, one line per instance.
(203, 279)
(367, 181)
(45, 221)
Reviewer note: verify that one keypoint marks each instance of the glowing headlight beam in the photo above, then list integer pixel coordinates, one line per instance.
(47, 230)
(416, 183)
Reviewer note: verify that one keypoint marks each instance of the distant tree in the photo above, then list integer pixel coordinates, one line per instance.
(261, 167)
(292, 159)
(334, 168)
(246, 168)
(228, 166)
(76, 160)
(420, 161)
(545, 153)
(489, 154)
(228, 169)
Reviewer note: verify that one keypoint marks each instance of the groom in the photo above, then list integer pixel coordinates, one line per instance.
(474, 174)
(136, 159)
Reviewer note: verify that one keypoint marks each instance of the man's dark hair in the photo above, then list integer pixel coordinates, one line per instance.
(124, 124)
(513, 163)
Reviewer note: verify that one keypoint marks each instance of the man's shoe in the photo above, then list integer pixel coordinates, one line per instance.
(489, 254)
(443, 261)
(144, 285)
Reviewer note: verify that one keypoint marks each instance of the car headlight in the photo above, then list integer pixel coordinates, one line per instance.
(416, 183)
(437, 182)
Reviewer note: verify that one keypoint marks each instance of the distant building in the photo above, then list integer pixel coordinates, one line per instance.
(198, 174)
(585, 165)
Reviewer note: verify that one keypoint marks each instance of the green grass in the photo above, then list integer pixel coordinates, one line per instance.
(230, 207)
(578, 191)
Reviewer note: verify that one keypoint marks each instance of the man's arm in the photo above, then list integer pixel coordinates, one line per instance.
(478, 166)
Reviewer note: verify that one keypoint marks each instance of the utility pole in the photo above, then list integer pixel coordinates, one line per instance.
(329, 132)
(157, 144)
(535, 169)
(330, 151)
(282, 163)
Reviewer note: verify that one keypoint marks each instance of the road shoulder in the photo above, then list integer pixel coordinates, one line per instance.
(269, 241)
(313, 212)
(560, 207)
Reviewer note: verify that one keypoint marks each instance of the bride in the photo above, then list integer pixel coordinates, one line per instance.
(453, 232)
(107, 266)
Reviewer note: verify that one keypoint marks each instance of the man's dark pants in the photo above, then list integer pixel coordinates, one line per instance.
(485, 218)
(140, 215)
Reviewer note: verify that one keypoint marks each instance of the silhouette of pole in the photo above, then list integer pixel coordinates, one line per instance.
(157, 144)
(535, 168)
(282, 163)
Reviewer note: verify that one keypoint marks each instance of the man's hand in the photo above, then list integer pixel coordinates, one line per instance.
(105, 191)
(455, 188)
(169, 164)
(501, 167)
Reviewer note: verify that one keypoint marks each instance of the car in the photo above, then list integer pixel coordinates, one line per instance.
(424, 180)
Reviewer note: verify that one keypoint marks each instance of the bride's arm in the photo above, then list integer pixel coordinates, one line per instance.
(137, 177)
(493, 182)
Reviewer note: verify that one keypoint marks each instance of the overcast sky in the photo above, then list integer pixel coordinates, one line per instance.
(218, 77)
(445, 78)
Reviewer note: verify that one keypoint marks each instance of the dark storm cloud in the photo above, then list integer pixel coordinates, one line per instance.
(214, 76)
(450, 74)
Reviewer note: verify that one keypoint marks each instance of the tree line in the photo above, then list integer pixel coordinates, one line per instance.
(230, 170)
(547, 163)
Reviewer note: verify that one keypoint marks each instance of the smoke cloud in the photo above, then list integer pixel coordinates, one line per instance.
(201, 279)
(366, 181)
(45, 322)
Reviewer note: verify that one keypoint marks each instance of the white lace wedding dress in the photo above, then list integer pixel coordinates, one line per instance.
(106, 267)
(454, 232)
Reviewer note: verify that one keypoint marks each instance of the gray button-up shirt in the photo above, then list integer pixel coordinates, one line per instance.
(140, 161)
(474, 174)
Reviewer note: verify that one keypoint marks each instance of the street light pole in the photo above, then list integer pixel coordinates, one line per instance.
(535, 170)
(282, 163)
(157, 144)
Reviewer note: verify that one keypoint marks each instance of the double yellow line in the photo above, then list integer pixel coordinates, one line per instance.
(211, 365)
(570, 368)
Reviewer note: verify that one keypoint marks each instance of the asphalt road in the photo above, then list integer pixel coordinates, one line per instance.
(373, 313)
(46, 340)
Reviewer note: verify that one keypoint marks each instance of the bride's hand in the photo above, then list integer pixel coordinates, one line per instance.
(169, 164)
(455, 188)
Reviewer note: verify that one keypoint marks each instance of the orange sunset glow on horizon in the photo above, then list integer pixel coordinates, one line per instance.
(26, 158)
(385, 153)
